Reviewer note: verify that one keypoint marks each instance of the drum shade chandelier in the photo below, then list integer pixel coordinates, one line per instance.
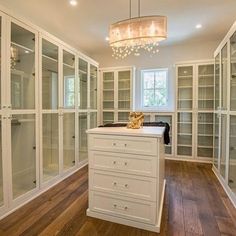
(135, 34)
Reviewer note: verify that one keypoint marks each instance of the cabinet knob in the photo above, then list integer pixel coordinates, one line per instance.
(114, 162)
(126, 163)
(126, 208)
(125, 144)
(126, 185)
(114, 144)
(114, 205)
(114, 183)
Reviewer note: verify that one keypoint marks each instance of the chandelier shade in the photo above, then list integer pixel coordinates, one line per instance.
(138, 31)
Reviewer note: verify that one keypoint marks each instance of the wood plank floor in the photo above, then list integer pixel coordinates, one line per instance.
(195, 204)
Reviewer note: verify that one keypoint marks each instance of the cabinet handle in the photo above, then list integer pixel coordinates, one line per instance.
(114, 205)
(114, 144)
(126, 185)
(114, 162)
(125, 145)
(126, 163)
(114, 183)
(126, 208)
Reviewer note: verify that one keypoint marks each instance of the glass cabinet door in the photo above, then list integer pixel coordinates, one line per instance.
(216, 140)
(224, 72)
(68, 140)
(93, 120)
(22, 68)
(124, 79)
(83, 143)
(108, 117)
(108, 90)
(1, 167)
(23, 154)
(185, 88)
(184, 134)
(223, 144)
(68, 79)
(83, 84)
(206, 87)
(205, 135)
(93, 87)
(232, 154)
(49, 75)
(123, 116)
(233, 73)
(50, 146)
(217, 81)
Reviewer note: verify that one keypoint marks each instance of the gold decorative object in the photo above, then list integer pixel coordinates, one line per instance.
(135, 120)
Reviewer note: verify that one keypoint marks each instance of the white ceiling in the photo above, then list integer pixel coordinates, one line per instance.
(86, 25)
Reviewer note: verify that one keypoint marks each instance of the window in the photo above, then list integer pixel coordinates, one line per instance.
(154, 88)
(69, 91)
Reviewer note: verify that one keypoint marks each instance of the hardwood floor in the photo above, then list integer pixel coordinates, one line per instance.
(195, 204)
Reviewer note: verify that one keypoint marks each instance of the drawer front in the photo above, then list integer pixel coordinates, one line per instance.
(124, 144)
(123, 184)
(141, 211)
(124, 163)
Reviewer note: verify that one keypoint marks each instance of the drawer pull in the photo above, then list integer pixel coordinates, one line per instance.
(114, 205)
(125, 208)
(125, 145)
(114, 183)
(126, 163)
(113, 144)
(126, 185)
(114, 162)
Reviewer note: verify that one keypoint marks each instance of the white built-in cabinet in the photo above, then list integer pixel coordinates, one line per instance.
(225, 113)
(194, 110)
(117, 92)
(48, 101)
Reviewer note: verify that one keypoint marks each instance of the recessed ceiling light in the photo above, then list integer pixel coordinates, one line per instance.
(198, 26)
(107, 38)
(73, 2)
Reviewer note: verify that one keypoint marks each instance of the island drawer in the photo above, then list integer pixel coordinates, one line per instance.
(124, 144)
(138, 187)
(124, 163)
(132, 209)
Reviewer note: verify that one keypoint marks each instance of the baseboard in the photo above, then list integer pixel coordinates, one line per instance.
(140, 225)
(227, 190)
(188, 160)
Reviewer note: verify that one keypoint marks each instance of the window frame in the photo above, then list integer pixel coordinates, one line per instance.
(151, 108)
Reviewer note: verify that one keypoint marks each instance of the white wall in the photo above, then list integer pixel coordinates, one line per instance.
(167, 57)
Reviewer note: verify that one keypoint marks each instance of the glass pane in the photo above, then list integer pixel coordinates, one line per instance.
(223, 144)
(184, 139)
(185, 87)
(233, 72)
(83, 84)
(217, 81)
(108, 90)
(22, 68)
(206, 87)
(69, 79)
(68, 140)
(49, 75)
(0, 63)
(216, 140)
(1, 168)
(108, 117)
(232, 154)
(124, 89)
(50, 146)
(123, 116)
(147, 118)
(205, 135)
(83, 143)
(23, 154)
(93, 120)
(224, 77)
(93, 87)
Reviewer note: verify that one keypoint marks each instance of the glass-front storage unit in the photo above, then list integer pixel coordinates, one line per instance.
(216, 139)
(224, 74)
(116, 94)
(83, 143)
(217, 82)
(233, 73)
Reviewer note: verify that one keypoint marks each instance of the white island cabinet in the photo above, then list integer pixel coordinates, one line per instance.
(126, 175)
